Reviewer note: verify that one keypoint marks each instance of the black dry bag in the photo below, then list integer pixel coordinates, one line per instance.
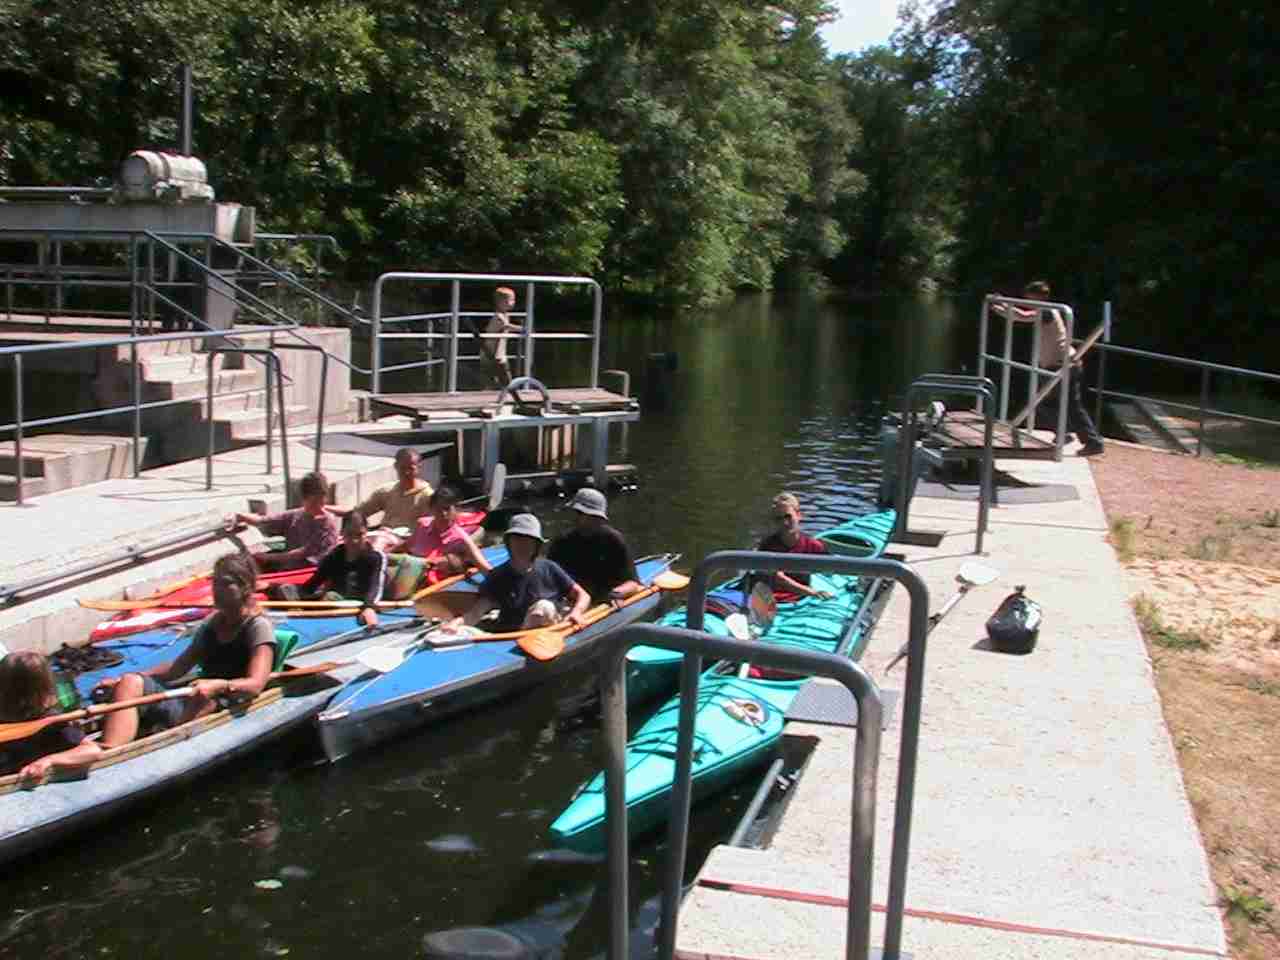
(1015, 625)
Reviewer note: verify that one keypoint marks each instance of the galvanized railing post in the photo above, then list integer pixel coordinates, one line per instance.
(596, 324)
(1004, 366)
(455, 302)
(1204, 403)
(17, 430)
(526, 332)
(284, 428)
(613, 710)
(375, 340)
(983, 322)
(1066, 371)
(1102, 362)
(208, 460)
(270, 411)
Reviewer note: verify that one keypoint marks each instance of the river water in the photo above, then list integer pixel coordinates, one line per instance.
(449, 828)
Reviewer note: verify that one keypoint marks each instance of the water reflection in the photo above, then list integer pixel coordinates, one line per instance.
(449, 828)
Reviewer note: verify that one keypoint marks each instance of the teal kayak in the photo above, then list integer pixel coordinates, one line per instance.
(738, 724)
(654, 671)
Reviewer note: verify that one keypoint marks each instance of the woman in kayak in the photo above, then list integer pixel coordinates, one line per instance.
(27, 692)
(234, 649)
(441, 540)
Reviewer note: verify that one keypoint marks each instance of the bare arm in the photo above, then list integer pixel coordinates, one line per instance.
(795, 586)
(581, 600)
(247, 686)
(78, 756)
(476, 555)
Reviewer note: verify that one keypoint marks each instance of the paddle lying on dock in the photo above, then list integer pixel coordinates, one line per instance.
(26, 728)
(540, 643)
(972, 574)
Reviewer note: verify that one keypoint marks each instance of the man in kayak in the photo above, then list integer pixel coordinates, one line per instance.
(234, 649)
(527, 590)
(594, 553)
(1056, 352)
(788, 538)
(309, 531)
(402, 504)
(353, 570)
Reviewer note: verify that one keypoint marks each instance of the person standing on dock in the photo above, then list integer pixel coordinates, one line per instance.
(528, 590)
(234, 649)
(309, 531)
(402, 504)
(594, 553)
(788, 538)
(504, 301)
(1057, 353)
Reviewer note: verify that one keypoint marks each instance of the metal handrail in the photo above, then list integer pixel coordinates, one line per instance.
(272, 364)
(526, 337)
(695, 644)
(324, 390)
(983, 392)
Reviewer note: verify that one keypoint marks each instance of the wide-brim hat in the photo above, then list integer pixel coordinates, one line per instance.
(591, 502)
(525, 525)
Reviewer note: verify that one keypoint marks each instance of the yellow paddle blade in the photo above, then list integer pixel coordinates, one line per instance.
(542, 644)
(670, 580)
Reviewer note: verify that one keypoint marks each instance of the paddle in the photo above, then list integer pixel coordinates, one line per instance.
(26, 728)
(540, 643)
(972, 574)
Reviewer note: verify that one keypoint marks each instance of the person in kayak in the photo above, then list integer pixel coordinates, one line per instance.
(788, 538)
(441, 541)
(353, 570)
(594, 554)
(309, 531)
(27, 692)
(527, 590)
(402, 504)
(234, 649)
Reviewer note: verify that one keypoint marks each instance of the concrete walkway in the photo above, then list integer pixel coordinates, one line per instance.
(59, 530)
(1050, 817)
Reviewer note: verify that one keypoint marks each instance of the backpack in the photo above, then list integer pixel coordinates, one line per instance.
(1015, 625)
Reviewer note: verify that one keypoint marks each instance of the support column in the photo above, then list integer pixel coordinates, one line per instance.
(491, 456)
(600, 452)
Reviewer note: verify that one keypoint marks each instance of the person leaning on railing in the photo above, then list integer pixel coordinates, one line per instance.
(1056, 352)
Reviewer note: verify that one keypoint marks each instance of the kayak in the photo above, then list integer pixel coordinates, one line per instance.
(653, 671)
(31, 818)
(433, 683)
(739, 719)
(198, 591)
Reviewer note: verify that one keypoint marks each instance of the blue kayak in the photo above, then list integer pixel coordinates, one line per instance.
(433, 683)
(654, 671)
(739, 720)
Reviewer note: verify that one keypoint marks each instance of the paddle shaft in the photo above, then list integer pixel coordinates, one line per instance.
(26, 728)
(965, 587)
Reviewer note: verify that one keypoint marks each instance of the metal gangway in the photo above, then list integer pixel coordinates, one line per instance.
(696, 645)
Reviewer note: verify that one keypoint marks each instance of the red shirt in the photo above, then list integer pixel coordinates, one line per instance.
(806, 544)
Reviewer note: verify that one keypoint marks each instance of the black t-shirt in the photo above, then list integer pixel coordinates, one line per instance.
(598, 559)
(52, 739)
(230, 660)
(359, 579)
(514, 593)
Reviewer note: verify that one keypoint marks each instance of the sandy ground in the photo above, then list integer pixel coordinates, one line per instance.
(1201, 540)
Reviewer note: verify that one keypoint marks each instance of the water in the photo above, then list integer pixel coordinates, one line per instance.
(449, 827)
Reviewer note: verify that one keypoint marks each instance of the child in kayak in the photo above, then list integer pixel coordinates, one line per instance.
(353, 570)
(234, 649)
(788, 538)
(27, 693)
(309, 531)
(441, 540)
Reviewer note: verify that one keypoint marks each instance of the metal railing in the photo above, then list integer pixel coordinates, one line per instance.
(1201, 410)
(935, 384)
(453, 333)
(695, 645)
(272, 364)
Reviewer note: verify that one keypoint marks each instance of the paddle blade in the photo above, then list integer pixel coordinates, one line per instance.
(382, 659)
(976, 574)
(670, 580)
(736, 624)
(761, 608)
(542, 644)
(498, 486)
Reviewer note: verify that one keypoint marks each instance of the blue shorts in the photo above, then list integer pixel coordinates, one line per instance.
(162, 714)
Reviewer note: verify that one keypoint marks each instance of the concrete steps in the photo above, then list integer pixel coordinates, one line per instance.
(56, 461)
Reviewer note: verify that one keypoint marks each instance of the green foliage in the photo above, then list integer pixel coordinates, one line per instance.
(1245, 903)
(1155, 629)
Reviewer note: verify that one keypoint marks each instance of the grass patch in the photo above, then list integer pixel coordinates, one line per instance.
(1159, 633)
(1268, 688)
(1216, 548)
(1123, 537)
(1271, 518)
(1245, 904)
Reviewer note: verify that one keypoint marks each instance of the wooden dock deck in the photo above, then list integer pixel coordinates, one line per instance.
(425, 407)
(961, 434)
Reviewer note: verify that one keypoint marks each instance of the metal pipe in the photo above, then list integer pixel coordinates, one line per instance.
(184, 139)
(324, 389)
(269, 424)
(613, 708)
(56, 192)
(757, 802)
(983, 322)
(17, 433)
(137, 408)
(208, 412)
(1004, 368)
(284, 430)
(1102, 362)
(526, 334)
(136, 554)
(1064, 383)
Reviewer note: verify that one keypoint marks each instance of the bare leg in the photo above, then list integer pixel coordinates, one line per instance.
(122, 726)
